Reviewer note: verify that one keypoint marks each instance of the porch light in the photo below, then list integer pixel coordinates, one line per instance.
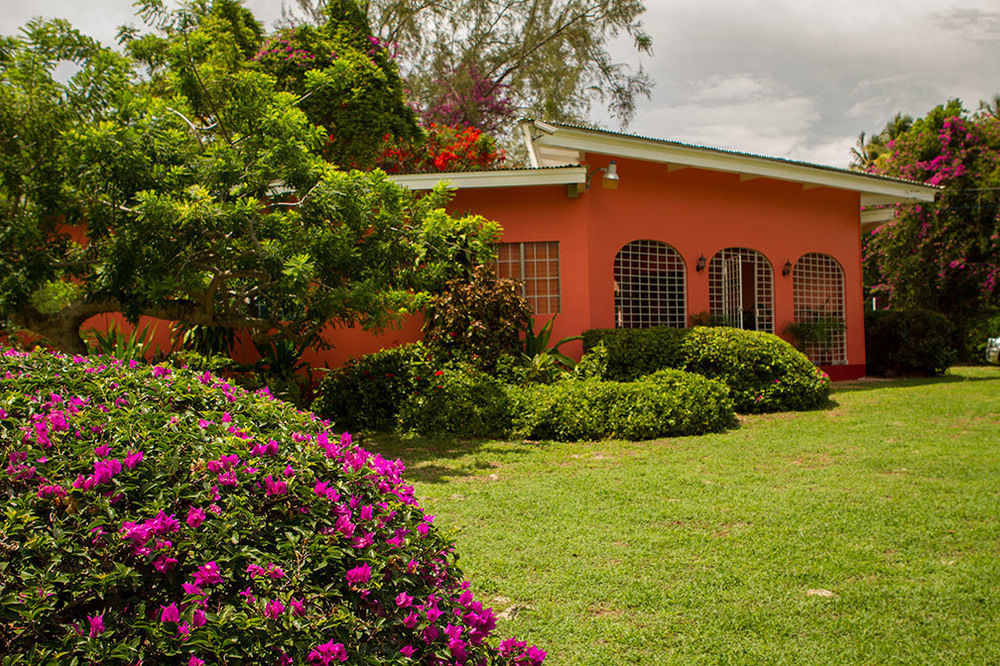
(700, 266)
(787, 268)
(610, 179)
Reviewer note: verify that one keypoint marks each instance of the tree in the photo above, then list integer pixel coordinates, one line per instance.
(207, 204)
(943, 256)
(484, 60)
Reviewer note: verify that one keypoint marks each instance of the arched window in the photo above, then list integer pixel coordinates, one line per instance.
(649, 286)
(741, 289)
(818, 291)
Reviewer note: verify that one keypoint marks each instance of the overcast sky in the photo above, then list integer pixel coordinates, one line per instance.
(786, 78)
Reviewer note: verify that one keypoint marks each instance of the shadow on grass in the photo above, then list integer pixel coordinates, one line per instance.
(427, 458)
(909, 382)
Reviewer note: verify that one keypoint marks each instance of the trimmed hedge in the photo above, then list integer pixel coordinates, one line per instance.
(457, 400)
(763, 372)
(164, 516)
(634, 352)
(908, 343)
(368, 392)
(665, 404)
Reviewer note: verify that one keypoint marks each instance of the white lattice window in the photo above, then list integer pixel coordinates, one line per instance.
(536, 267)
(650, 288)
(741, 289)
(818, 288)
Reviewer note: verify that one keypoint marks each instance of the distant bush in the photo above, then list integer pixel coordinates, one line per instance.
(908, 343)
(665, 404)
(763, 372)
(163, 516)
(457, 400)
(634, 352)
(368, 392)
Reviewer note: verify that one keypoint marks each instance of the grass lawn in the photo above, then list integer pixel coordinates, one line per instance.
(864, 533)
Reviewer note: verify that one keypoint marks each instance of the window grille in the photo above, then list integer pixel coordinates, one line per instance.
(536, 267)
(741, 289)
(818, 292)
(650, 287)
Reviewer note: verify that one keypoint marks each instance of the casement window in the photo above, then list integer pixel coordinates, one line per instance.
(650, 286)
(818, 293)
(536, 266)
(741, 289)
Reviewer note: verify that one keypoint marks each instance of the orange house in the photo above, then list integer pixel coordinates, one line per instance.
(615, 230)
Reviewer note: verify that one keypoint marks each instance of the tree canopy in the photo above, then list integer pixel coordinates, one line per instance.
(481, 62)
(943, 256)
(200, 193)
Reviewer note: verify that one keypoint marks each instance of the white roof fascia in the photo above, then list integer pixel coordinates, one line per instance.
(873, 190)
(483, 179)
(876, 216)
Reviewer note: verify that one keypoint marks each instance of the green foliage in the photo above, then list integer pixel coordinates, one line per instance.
(815, 331)
(763, 372)
(667, 403)
(908, 342)
(459, 400)
(158, 515)
(634, 352)
(481, 318)
(368, 392)
(115, 343)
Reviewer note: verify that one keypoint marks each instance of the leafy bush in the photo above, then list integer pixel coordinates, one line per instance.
(161, 515)
(665, 404)
(634, 352)
(368, 392)
(481, 318)
(763, 372)
(459, 400)
(908, 342)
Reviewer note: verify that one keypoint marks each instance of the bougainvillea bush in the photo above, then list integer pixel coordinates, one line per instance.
(159, 515)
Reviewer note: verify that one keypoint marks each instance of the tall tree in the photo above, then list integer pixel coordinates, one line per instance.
(201, 197)
(485, 60)
(946, 255)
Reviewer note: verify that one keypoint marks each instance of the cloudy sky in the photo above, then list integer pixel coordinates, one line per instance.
(787, 78)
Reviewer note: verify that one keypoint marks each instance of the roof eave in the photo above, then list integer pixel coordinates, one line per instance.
(571, 175)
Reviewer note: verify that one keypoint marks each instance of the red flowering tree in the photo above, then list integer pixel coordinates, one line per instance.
(943, 256)
(442, 148)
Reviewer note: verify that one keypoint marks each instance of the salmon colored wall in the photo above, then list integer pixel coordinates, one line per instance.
(696, 212)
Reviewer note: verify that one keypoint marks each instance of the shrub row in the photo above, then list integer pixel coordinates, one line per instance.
(908, 342)
(763, 372)
(161, 515)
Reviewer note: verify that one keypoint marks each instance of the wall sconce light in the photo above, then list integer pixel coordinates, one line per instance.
(700, 266)
(787, 268)
(610, 179)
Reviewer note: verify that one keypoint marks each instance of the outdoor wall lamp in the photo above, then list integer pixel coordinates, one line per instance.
(787, 268)
(610, 179)
(700, 266)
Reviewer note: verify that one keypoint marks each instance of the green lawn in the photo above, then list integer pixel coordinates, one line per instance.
(864, 533)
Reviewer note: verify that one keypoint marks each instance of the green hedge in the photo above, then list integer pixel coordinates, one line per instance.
(368, 392)
(764, 372)
(908, 343)
(457, 400)
(665, 404)
(634, 352)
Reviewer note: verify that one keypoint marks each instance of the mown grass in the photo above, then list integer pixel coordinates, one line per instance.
(866, 532)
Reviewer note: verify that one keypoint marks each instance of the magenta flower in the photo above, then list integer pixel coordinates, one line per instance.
(102, 451)
(198, 619)
(195, 661)
(274, 609)
(407, 650)
(298, 607)
(170, 613)
(207, 574)
(96, 624)
(327, 652)
(133, 458)
(195, 517)
(183, 629)
(403, 600)
(361, 574)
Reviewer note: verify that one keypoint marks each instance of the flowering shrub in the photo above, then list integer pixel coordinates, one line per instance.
(162, 515)
(442, 148)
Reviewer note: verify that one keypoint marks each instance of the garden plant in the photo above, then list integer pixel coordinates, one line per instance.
(160, 515)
